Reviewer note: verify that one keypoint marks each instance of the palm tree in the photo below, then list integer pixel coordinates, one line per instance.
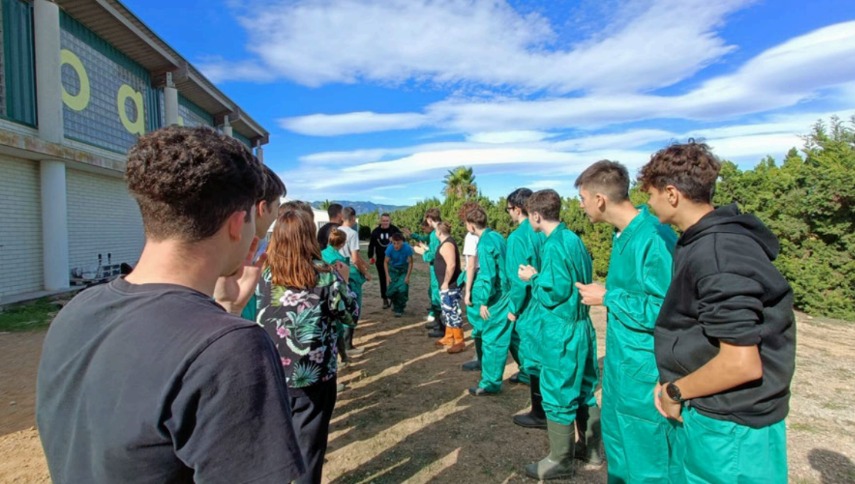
(325, 204)
(460, 183)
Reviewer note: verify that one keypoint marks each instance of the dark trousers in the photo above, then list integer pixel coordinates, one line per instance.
(311, 411)
(381, 273)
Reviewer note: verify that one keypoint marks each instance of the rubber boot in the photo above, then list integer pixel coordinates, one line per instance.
(447, 339)
(474, 365)
(342, 348)
(559, 464)
(348, 343)
(589, 448)
(536, 417)
(458, 345)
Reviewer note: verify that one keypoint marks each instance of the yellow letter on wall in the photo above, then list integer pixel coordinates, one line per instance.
(79, 101)
(136, 126)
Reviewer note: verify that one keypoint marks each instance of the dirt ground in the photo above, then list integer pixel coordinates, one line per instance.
(406, 417)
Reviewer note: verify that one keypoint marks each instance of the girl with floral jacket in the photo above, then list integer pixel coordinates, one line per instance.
(302, 302)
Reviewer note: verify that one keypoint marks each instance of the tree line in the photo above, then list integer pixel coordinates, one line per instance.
(808, 201)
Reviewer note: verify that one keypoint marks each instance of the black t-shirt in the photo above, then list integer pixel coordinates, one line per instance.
(157, 383)
(380, 239)
(324, 234)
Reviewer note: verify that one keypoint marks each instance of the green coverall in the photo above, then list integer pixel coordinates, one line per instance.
(490, 289)
(429, 256)
(635, 435)
(708, 450)
(524, 246)
(565, 333)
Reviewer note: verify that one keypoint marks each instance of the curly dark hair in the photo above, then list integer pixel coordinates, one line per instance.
(188, 181)
(477, 217)
(690, 167)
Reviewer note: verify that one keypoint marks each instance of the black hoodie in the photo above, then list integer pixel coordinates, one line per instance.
(725, 288)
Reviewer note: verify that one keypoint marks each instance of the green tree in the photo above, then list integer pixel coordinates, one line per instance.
(460, 183)
(326, 204)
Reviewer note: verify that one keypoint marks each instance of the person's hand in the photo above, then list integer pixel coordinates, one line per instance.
(592, 294)
(512, 318)
(526, 272)
(467, 300)
(233, 291)
(443, 287)
(485, 312)
(372, 260)
(406, 280)
(419, 249)
(406, 232)
(343, 270)
(667, 407)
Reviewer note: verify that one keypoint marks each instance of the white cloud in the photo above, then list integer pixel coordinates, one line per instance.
(783, 76)
(477, 41)
(504, 137)
(351, 123)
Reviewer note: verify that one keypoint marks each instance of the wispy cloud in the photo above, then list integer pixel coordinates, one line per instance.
(486, 42)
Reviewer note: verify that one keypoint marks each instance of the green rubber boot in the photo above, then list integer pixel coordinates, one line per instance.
(559, 463)
(589, 448)
(474, 364)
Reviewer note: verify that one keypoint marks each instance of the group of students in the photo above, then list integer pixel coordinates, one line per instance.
(700, 333)
(155, 376)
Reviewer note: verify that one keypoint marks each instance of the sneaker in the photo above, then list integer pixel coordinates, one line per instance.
(398, 315)
(431, 318)
(386, 304)
(355, 351)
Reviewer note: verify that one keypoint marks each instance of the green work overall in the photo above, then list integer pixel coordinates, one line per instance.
(635, 435)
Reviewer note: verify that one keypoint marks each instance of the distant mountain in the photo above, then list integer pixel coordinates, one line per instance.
(364, 207)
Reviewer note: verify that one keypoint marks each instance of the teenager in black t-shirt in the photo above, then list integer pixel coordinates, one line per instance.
(148, 378)
(381, 237)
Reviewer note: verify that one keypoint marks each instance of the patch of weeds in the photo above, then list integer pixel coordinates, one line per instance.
(29, 316)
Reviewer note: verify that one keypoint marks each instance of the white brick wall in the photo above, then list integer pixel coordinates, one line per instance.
(102, 218)
(20, 227)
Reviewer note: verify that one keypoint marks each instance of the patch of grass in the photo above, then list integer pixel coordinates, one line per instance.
(835, 405)
(29, 316)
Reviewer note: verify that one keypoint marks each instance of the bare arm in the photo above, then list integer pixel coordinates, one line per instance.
(731, 367)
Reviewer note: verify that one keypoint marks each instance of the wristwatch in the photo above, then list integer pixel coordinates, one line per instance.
(673, 392)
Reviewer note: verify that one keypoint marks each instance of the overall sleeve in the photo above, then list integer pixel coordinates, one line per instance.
(420, 237)
(553, 285)
(516, 255)
(430, 254)
(488, 275)
(638, 309)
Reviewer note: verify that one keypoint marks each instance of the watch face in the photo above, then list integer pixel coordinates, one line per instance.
(673, 392)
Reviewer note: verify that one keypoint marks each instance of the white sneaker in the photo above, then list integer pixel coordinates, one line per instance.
(431, 318)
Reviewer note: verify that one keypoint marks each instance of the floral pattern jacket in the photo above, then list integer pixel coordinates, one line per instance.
(305, 323)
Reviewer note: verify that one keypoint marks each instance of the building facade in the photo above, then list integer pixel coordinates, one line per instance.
(80, 80)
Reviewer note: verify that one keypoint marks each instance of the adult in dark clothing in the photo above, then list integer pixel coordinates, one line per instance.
(725, 336)
(336, 219)
(148, 378)
(381, 237)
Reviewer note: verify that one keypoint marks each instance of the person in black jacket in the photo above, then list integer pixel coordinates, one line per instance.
(725, 336)
(381, 237)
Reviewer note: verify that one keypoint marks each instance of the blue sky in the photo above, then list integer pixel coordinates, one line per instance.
(377, 99)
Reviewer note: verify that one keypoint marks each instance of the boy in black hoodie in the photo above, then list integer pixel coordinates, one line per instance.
(725, 336)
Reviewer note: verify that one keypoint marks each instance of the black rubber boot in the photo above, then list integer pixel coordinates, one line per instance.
(474, 365)
(536, 417)
(589, 448)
